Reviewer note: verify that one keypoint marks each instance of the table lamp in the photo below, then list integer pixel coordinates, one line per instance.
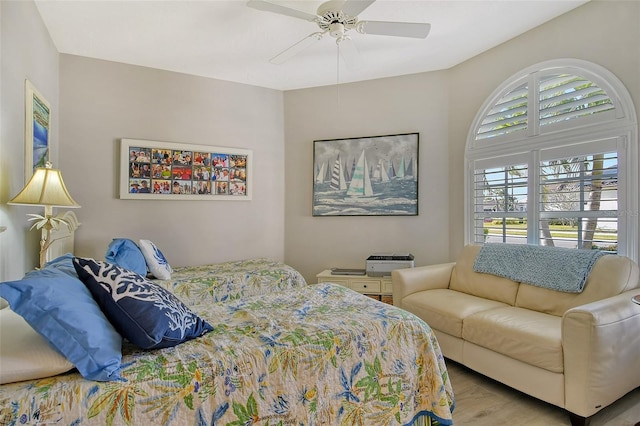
(45, 188)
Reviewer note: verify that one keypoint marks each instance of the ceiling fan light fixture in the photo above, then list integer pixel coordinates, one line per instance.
(336, 30)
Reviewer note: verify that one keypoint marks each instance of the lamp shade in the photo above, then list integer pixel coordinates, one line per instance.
(45, 188)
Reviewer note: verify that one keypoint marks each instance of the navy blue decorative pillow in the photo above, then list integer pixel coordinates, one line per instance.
(126, 253)
(146, 314)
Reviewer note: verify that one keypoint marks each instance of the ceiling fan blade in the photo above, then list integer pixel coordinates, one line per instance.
(292, 51)
(354, 7)
(349, 53)
(268, 6)
(398, 29)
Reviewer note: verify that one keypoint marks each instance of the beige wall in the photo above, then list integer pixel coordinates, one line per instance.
(101, 102)
(441, 106)
(604, 32)
(27, 53)
(416, 103)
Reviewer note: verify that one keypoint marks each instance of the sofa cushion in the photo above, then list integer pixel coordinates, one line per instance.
(445, 309)
(610, 275)
(528, 336)
(464, 279)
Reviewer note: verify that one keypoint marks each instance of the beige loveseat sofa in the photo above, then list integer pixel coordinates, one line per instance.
(579, 351)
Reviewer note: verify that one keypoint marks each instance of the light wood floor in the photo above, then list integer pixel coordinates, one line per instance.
(481, 401)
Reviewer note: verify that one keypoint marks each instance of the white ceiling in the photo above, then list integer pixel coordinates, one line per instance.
(228, 40)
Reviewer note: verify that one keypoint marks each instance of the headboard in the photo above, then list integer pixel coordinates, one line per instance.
(63, 237)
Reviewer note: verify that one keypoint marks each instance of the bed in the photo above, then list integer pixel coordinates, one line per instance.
(232, 280)
(281, 352)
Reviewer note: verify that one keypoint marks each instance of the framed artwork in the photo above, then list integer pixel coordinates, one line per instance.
(37, 129)
(367, 176)
(153, 170)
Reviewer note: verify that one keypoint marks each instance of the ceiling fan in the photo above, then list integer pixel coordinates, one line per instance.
(337, 18)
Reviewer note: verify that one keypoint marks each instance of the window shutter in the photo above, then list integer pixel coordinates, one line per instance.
(566, 97)
(508, 115)
(569, 178)
(580, 195)
(500, 201)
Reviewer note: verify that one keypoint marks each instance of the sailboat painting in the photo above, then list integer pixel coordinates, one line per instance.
(366, 176)
(338, 180)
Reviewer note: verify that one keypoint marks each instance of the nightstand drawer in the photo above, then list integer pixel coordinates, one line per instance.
(376, 287)
(340, 281)
(364, 286)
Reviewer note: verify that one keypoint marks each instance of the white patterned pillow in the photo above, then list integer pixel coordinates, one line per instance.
(156, 262)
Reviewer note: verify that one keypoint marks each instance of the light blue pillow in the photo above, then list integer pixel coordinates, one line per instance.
(156, 262)
(63, 263)
(62, 310)
(125, 253)
(144, 313)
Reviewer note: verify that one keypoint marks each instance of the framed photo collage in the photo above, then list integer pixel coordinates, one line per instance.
(162, 171)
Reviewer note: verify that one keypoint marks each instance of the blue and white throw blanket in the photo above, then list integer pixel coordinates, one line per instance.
(556, 268)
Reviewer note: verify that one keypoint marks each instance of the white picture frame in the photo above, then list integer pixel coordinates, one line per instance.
(156, 170)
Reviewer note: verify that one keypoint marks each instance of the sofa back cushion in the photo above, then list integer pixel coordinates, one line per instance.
(610, 275)
(464, 279)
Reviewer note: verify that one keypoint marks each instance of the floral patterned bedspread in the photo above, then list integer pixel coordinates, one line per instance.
(311, 355)
(231, 280)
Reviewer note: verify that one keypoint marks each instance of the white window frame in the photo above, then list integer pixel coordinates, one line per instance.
(618, 126)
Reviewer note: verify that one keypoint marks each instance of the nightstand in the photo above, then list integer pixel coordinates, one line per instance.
(379, 288)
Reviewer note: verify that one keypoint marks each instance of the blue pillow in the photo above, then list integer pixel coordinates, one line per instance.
(156, 262)
(63, 263)
(125, 253)
(61, 309)
(146, 314)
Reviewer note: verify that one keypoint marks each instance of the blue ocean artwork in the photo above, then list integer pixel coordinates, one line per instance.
(41, 117)
(397, 197)
(40, 144)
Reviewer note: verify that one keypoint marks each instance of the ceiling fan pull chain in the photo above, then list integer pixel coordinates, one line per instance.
(338, 63)
(338, 76)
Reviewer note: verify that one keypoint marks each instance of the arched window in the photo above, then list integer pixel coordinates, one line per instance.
(552, 159)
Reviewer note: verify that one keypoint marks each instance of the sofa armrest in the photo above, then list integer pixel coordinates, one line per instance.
(411, 280)
(601, 344)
